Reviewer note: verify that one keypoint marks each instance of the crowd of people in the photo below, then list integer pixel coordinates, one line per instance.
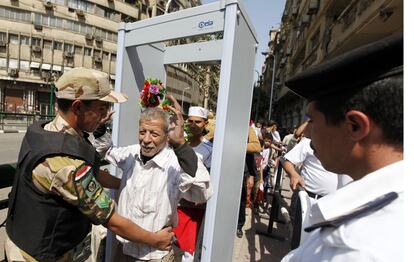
(346, 156)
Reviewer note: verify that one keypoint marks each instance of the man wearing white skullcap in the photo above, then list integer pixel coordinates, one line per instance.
(190, 216)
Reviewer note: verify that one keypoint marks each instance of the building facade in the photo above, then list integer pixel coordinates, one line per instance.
(41, 39)
(313, 31)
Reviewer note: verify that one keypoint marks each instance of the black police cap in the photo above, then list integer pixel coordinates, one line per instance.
(354, 69)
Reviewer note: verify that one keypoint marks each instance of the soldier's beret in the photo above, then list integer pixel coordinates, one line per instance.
(354, 69)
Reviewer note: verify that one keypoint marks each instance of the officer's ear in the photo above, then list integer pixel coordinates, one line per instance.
(358, 125)
(76, 107)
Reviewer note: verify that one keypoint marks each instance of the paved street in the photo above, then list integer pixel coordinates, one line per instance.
(9, 147)
(255, 247)
(9, 150)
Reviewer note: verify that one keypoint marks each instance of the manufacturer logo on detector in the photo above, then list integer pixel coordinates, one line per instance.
(204, 24)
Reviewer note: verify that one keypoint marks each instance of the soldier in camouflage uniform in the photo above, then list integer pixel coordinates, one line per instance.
(58, 190)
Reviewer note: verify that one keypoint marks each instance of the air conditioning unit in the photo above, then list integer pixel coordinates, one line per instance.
(36, 48)
(89, 36)
(3, 43)
(68, 54)
(14, 72)
(48, 5)
(313, 7)
(80, 13)
(38, 26)
(45, 75)
(98, 59)
(305, 20)
(295, 11)
(98, 39)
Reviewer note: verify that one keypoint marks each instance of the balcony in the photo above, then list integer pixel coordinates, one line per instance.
(362, 22)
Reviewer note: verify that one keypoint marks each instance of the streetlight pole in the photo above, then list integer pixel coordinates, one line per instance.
(182, 97)
(271, 87)
(258, 98)
(273, 81)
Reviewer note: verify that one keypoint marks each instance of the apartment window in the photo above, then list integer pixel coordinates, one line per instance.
(59, 2)
(75, 27)
(14, 14)
(24, 40)
(78, 50)
(87, 51)
(56, 22)
(36, 41)
(106, 35)
(82, 5)
(113, 57)
(99, 10)
(3, 62)
(24, 65)
(68, 47)
(57, 45)
(85, 29)
(3, 36)
(14, 39)
(47, 44)
(105, 55)
(13, 63)
(99, 32)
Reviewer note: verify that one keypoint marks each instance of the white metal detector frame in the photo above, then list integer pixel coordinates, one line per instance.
(142, 54)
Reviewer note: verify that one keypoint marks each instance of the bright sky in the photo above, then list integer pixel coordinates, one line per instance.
(264, 14)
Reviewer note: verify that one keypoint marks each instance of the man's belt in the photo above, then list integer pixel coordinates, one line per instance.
(312, 195)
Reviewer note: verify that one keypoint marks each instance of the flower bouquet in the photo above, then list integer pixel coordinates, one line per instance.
(153, 94)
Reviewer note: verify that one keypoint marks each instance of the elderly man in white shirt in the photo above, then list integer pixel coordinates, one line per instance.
(356, 127)
(157, 173)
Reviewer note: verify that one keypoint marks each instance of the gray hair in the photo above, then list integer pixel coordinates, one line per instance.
(152, 113)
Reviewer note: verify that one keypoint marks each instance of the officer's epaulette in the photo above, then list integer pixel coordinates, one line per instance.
(361, 211)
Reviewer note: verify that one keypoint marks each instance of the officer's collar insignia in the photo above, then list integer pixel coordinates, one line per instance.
(361, 211)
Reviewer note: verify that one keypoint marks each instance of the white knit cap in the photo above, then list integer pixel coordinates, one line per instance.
(198, 111)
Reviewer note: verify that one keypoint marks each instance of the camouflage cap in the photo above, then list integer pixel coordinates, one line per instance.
(87, 84)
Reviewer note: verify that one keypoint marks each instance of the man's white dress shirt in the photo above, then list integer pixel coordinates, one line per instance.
(149, 193)
(317, 179)
(376, 236)
(276, 136)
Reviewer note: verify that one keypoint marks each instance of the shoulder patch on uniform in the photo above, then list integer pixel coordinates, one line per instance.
(82, 172)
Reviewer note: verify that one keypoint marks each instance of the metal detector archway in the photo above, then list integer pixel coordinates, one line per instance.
(142, 54)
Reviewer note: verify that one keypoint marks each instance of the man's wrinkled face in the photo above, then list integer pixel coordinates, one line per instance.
(152, 136)
(196, 124)
(90, 116)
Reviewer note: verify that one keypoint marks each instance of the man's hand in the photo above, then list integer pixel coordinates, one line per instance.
(176, 125)
(164, 239)
(295, 178)
(107, 118)
(295, 181)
